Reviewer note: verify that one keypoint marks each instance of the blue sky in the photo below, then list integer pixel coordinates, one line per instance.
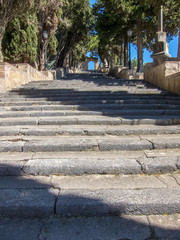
(92, 1)
(173, 47)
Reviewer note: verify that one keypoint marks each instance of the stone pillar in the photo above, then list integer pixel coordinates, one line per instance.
(161, 48)
(160, 20)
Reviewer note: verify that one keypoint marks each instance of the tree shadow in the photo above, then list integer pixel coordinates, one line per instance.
(160, 108)
(35, 208)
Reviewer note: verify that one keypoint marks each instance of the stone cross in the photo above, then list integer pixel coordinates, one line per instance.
(160, 20)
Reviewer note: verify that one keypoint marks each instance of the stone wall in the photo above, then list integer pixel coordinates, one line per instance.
(126, 73)
(13, 76)
(165, 75)
(120, 72)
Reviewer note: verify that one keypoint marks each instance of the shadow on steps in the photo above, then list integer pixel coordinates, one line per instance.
(72, 214)
(134, 101)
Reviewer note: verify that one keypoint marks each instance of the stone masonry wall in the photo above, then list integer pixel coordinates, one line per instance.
(14, 76)
(120, 72)
(165, 75)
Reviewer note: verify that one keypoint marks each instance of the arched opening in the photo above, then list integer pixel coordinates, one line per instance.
(91, 65)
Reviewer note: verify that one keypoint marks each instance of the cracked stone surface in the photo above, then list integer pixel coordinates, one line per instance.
(27, 203)
(102, 202)
(166, 227)
(122, 227)
(158, 165)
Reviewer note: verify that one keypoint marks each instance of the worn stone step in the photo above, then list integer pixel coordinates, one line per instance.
(78, 143)
(127, 105)
(132, 195)
(111, 227)
(90, 165)
(119, 130)
(88, 91)
(87, 99)
(126, 108)
(114, 202)
(91, 96)
(107, 112)
(89, 162)
(92, 120)
(82, 89)
(83, 110)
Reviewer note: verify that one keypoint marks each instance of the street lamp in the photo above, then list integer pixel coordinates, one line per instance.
(45, 36)
(129, 33)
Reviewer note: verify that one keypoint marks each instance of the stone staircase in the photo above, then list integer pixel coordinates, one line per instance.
(89, 145)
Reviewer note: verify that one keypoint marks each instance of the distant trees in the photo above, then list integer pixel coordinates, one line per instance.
(24, 21)
(73, 29)
(93, 45)
(114, 18)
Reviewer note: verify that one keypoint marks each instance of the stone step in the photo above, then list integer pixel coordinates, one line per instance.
(104, 112)
(81, 166)
(90, 96)
(98, 97)
(87, 130)
(125, 107)
(128, 104)
(106, 228)
(89, 147)
(140, 103)
(89, 162)
(80, 86)
(92, 120)
(88, 143)
(89, 196)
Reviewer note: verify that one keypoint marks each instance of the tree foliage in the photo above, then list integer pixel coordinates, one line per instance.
(93, 45)
(8, 10)
(69, 25)
(73, 27)
(47, 14)
(114, 18)
(20, 40)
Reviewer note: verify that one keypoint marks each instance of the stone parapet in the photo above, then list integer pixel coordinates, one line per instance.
(13, 76)
(126, 73)
(165, 75)
(120, 72)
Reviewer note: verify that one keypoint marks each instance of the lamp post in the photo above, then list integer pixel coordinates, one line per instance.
(129, 33)
(45, 36)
